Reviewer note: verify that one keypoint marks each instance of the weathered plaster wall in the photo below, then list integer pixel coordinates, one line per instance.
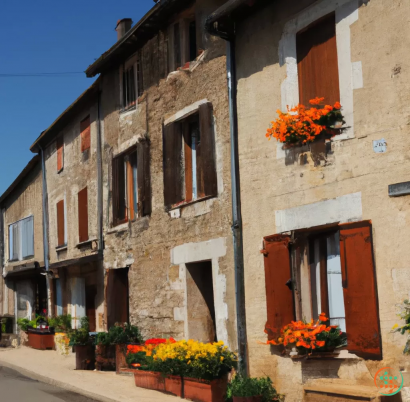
(156, 294)
(271, 183)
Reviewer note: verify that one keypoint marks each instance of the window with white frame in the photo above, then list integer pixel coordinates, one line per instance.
(131, 82)
(21, 239)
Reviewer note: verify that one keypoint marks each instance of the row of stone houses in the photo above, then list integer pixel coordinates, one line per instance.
(155, 198)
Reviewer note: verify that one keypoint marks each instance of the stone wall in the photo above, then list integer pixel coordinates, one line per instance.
(272, 181)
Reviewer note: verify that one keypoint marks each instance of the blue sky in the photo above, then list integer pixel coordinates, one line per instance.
(41, 37)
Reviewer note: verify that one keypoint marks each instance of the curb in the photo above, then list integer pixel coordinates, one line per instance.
(56, 383)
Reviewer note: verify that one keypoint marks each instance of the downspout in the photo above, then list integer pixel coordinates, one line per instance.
(236, 199)
(45, 230)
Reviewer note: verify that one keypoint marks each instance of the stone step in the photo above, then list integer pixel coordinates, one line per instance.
(341, 393)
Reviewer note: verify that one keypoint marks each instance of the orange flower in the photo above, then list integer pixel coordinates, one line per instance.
(320, 344)
(337, 105)
(316, 101)
(323, 317)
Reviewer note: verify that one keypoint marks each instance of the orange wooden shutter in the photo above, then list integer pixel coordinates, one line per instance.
(85, 134)
(60, 153)
(279, 298)
(360, 290)
(60, 223)
(83, 215)
(144, 179)
(318, 70)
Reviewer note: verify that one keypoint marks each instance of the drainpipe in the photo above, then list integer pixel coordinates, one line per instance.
(99, 178)
(45, 230)
(236, 199)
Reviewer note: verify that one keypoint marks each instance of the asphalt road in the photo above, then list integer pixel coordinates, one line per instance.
(14, 387)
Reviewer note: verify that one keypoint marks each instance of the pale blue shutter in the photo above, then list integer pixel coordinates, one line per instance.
(10, 242)
(27, 229)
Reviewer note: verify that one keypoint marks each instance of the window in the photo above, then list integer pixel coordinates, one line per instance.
(61, 224)
(83, 215)
(60, 154)
(332, 271)
(85, 134)
(131, 184)
(182, 43)
(21, 239)
(318, 72)
(189, 158)
(132, 83)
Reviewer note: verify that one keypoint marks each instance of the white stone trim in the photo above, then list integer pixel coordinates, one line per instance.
(349, 74)
(210, 250)
(347, 208)
(128, 144)
(185, 112)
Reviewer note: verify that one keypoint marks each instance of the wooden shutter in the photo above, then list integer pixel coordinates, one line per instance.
(85, 134)
(279, 298)
(173, 172)
(206, 162)
(318, 70)
(188, 161)
(60, 153)
(144, 178)
(115, 198)
(60, 223)
(83, 215)
(360, 290)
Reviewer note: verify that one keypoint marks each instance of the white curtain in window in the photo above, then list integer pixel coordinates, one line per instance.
(21, 239)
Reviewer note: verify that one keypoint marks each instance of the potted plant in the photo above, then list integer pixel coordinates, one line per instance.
(62, 327)
(302, 339)
(301, 125)
(37, 333)
(245, 389)
(83, 346)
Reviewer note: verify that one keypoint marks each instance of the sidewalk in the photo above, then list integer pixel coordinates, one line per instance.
(51, 368)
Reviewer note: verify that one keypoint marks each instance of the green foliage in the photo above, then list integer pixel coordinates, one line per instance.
(247, 387)
(25, 323)
(333, 338)
(332, 119)
(404, 314)
(81, 336)
(120, 334)
(6, 325)
(146, 362)
(61, 323)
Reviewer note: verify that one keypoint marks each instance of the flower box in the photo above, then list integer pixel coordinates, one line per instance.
(173, 385)
(205, 391)
(149, 380)
(120, 357)
(247, 399)
(84, 357)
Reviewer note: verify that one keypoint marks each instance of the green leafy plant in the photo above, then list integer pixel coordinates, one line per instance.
(24, 323)
(81, 336)
(404, 314)
(247, 387)
(141, 361)
(61, 323)
(120, 334)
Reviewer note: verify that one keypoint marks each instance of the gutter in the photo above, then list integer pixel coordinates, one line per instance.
(211, 26)
(99, 178)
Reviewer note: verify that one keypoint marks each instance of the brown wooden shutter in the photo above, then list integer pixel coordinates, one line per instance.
(188, 161)
(360, 290)
(144, 178)
(115, 198)
(173, 172)
(60, 223)
(279, 298)
(206, 162)
(83, 215)
(318, 70)
(85, 134)
(60, 153)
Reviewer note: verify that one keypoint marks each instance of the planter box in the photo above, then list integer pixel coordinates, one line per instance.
(84, 357)
(149, 380)
(173, 385)
(247, 399)
(105, 357)
(40, 341)
(120, 356)
(205, 391)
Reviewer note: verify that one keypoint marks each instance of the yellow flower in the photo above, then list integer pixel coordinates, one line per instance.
(395, 326)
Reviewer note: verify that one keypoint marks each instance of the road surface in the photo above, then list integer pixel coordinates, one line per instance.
(14, 387)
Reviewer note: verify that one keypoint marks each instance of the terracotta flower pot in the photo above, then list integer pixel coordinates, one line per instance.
(173, 385)
(205, 391)
(84, 357)
(247, 399)
(149, 380)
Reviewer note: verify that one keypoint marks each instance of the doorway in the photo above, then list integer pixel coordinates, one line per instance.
(200, 302)
(117, 296)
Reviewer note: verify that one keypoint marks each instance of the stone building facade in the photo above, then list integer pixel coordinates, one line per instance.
(70, 147)
(23, 291)
(337, 189)
(168, 250)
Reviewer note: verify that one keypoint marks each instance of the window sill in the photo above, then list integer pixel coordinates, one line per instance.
(127, 110)
(186, 204)
(119, 228)
(30, 257)
(59, 171)
(61, 248)
(86, 243)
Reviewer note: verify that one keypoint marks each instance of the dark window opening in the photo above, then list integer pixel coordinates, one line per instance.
(177, 47)
(128, 88)
(139, 76)
(201, 306)
(192, 41)
(117, 296)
